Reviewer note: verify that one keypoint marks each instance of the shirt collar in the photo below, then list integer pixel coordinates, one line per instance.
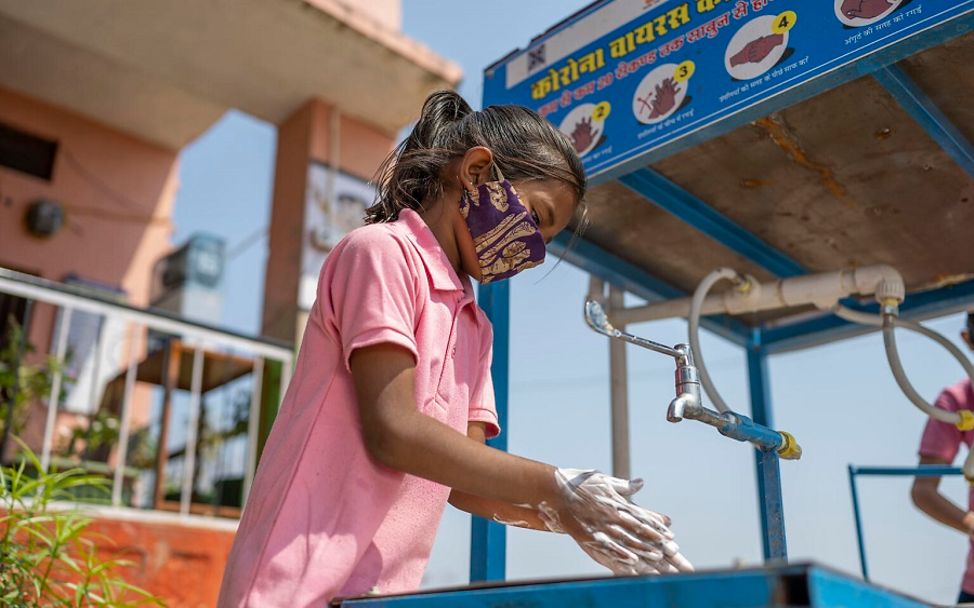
(441, 273)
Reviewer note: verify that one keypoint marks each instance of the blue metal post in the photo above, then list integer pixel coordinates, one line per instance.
(767, 467)
(858, 518)
(488, 539)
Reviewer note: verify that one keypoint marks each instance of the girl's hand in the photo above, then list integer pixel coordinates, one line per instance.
(597, 511)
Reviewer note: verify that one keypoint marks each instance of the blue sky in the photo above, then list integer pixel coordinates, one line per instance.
(839, 400)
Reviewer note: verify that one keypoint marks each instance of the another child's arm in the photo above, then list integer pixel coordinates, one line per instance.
(927, 497)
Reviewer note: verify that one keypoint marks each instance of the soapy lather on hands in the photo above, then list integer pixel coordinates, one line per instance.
(602, 518)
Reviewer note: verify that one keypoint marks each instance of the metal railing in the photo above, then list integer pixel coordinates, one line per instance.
(150, 340)
(858, 471)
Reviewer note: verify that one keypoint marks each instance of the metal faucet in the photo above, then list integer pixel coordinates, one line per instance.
(688, 402)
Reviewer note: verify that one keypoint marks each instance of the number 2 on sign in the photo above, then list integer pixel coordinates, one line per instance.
(601, 111)
(784, 22)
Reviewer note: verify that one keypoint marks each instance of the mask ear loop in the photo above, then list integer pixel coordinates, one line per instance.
(500, 175)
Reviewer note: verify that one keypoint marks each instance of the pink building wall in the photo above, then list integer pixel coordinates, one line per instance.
(117, 192)
(305, 138)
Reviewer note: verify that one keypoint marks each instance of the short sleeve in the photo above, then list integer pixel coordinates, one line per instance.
(482, 405)
(941, 439)
(372, 289)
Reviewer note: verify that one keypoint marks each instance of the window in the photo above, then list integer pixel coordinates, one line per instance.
(26, 153)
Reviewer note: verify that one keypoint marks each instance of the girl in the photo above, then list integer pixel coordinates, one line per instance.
(391, 401)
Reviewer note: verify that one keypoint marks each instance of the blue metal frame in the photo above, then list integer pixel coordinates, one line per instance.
(855, 471)
(670, 197)
(926, 113)
(488, 539)
(785, 586)
(766, 464)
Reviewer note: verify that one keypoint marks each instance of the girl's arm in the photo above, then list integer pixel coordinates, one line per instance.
(398, 436)
(501, 512)
(591, 507)
(927, 497)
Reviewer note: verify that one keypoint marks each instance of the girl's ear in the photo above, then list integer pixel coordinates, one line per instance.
(475, 168)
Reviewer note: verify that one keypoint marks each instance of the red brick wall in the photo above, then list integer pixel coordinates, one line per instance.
(180, 563)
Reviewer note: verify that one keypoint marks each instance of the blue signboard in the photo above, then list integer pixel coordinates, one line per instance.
(626, 77)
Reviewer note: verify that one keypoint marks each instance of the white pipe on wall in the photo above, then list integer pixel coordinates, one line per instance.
(822, 290)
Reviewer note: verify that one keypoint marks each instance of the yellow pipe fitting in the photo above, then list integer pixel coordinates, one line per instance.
(966, 422)
(789, 450)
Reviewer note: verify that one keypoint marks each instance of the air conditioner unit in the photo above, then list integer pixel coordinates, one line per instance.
(189, 281)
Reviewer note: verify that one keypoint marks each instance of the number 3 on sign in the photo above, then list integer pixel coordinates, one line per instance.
(784, 22)
(684, 71)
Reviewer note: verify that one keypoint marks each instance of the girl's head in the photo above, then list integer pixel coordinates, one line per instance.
(453, 147)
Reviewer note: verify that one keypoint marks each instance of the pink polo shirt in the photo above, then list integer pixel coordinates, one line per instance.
(942, 440)
(322, 518)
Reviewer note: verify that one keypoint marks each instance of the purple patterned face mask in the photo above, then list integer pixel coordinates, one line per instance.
(505, 236)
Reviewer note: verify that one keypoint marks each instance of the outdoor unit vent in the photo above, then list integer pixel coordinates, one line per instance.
(188, 282)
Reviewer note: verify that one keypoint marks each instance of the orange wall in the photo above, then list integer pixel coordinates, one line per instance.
(117, 192)
(177, 562)
(302, 139)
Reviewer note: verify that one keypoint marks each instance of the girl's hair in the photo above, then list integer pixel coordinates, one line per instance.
(525, 147)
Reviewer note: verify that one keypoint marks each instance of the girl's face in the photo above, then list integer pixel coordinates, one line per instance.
(550, 202)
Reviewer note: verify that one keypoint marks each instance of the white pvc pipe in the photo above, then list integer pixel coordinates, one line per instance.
(189, 451)
(854, 316)
(619, 384)
(696, 304)
(942, 340)
(896, 366)
(55, 396)
(822, 290)
(865, 318)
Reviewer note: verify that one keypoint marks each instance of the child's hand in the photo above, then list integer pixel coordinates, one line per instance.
(597, 512)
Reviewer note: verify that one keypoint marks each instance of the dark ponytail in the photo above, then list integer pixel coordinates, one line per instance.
(525, 147)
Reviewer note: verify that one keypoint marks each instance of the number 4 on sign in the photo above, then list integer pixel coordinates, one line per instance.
(784, 22)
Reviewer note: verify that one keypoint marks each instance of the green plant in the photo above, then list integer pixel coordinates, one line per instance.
(47, 555)
(21, 382)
